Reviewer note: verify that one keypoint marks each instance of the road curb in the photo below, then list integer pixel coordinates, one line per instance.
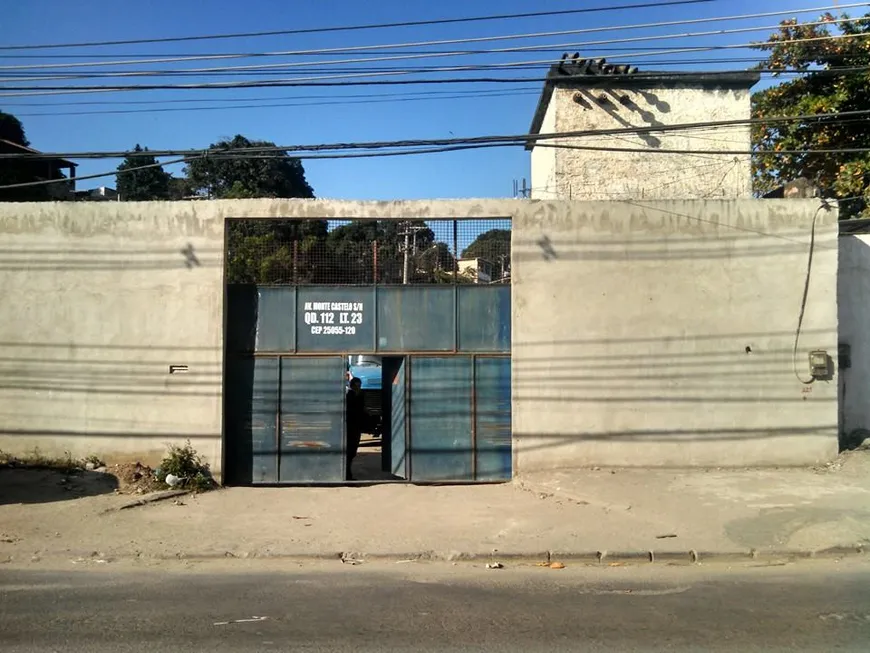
(602, 557)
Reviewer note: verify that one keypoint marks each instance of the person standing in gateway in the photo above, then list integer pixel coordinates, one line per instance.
(355, 420)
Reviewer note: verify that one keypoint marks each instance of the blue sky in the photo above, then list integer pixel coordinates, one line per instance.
(339, 116)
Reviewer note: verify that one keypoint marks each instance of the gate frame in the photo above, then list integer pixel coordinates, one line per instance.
(406, 353)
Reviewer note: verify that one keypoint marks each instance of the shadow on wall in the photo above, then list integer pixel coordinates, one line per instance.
(612, 102)
(114, 372)
(120, 402)
(108, 260)
(28, 486)
(690, 320)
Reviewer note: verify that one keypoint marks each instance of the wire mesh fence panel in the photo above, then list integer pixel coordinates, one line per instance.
(367, 252)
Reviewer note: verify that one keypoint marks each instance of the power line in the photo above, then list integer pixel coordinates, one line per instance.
(460, 41)
(29, 91)
(397, 98)
(505, 139)
(357, 69)
(528, 65)
(594, 148)
(48, 182)
(330, 96)
(541, 48)
(342, 98)
(407, 152)
(349, 28)
(476, 96)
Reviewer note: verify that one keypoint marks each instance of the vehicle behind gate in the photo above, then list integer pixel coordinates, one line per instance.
(369, 370)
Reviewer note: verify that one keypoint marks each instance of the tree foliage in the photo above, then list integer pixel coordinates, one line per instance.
(276, 251)
(20, 172)
(837, 79)
(142, 185)
(261, 251)
(354, 247)
(493, 246)
(359, 252)
(12, 130)
(273, 175)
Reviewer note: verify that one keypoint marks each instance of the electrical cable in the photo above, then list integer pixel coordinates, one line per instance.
(511, 139)
(824, 206)
(348, 28)
(312, 81)
(475, 68)
(216, 155)
(48, 182)
(541, 48)
(422, 69)
(399, 57)
(330, 96)
(280, 105)
(342, 99)
(640, 150)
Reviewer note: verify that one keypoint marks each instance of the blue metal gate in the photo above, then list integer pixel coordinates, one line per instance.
(449, 402)
(492, 418)
(399, 423)
(312, 443)
(441, 419)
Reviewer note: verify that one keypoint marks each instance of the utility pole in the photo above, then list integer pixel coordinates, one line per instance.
(409, 230)
(407, 258)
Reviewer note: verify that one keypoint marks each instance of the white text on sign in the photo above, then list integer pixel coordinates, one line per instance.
(333, 318)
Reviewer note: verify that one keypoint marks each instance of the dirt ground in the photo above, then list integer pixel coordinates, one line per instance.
(134, 478)
(78, 517)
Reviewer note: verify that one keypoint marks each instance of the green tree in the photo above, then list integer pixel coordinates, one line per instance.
(262, 251)
(18, 171)
(352, 247)
(836, 79)
(277, 251)
(12, 130)
(494, 246)
(142, 185)
(273, 174)
(179, 188)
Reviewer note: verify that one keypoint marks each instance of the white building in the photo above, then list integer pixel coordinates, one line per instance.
(476, 268)
(582, 95)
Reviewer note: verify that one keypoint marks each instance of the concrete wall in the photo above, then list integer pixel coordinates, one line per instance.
(630, 325)
(854, 309)
(662, 333)
(97, 301)
(596, 175)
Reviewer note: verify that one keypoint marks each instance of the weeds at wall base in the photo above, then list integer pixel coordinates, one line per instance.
(35, 459)
(181, 468)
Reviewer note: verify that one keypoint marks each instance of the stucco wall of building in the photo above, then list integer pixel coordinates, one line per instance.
(650, 175)
(543, 161)
(854, 310)
(630, 327)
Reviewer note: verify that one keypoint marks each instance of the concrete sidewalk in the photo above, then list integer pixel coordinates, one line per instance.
(565, 515)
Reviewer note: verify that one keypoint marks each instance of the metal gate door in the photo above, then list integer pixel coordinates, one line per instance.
(441, 420)
(312, 440)
(399, 424)
(492, 418)
(261, 427)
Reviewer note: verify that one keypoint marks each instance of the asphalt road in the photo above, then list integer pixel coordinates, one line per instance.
(422, 607)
